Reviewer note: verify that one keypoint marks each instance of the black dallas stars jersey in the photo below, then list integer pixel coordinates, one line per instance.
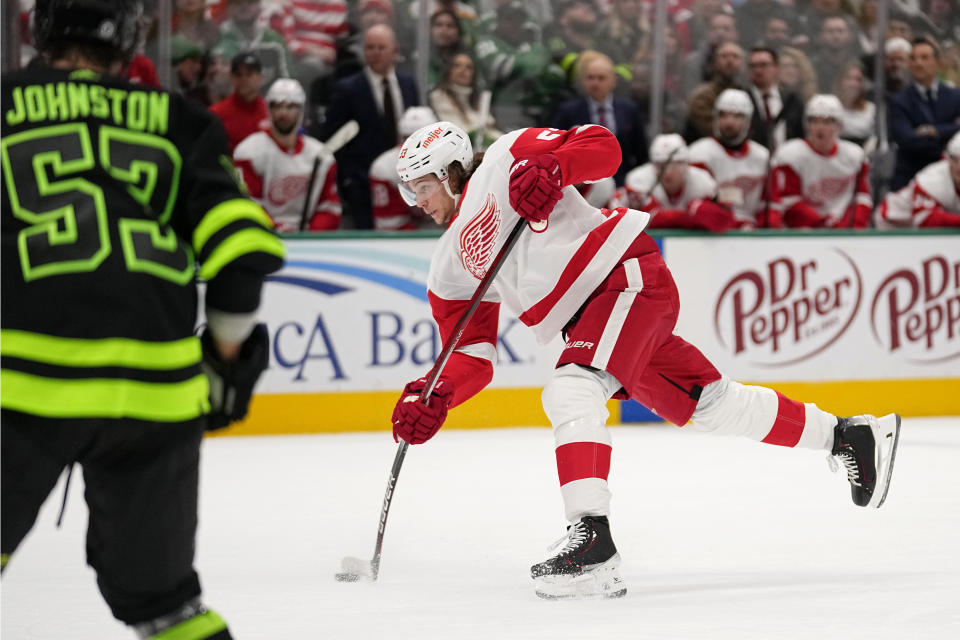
(116, 200)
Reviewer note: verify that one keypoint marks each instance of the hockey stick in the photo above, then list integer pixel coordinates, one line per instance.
(660, 172)
(356, 569)
(337, 141)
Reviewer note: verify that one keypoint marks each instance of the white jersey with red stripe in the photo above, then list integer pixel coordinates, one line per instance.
(390, 212)
(553, 268)
(277, 179)
(698, 184)
(739, 173)
(598, 192)
(827, 183)
(932, 191)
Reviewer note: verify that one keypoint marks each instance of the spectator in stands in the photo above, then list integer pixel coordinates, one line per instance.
(518, 69)
(821, 181)
(777, 32)
(932, 198)
(728, 72)
(739, 166)
(866, 19)
(796, 73)
(941, 21)
(897, 64)
(458, 99)
(311, 29)
(244, 111)
(674, 112)
(598, 105)
(837, 47)
(575, 28)
(446, 41)
(279, 166)
(190, 21)
(186, 59)
(675, 194)
(701, 63)
(777, 113)
(752, 17)
(924, 116)
(900, 25)
(694, 22)
(243, 31)
(390, 211)
(217, 79)
(859, 113)
(375, 98)
(625, 33)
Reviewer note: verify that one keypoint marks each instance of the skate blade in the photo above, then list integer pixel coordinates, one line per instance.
(887, 437)
(603, 581)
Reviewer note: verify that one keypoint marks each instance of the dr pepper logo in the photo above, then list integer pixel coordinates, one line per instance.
(788, 310)
(915, 312)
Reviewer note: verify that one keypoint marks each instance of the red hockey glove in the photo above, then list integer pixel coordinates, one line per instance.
(535, 186)
(710, 215)
(415, 422)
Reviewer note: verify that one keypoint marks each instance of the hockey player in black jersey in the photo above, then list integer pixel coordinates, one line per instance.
(116, 201)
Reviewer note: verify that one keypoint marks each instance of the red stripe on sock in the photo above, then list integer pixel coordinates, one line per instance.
(788, 427)
(579, 460)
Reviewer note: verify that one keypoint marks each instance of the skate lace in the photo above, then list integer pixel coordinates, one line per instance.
(848, 461)
(575, 536)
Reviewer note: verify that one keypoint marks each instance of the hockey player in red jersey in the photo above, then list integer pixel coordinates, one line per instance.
(821, 181)
(932, 198)
(594, 276)
(277, 166)
(740, 166)
(676, 195)
(390, 211)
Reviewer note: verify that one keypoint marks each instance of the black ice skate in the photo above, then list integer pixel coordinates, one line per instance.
(586, 565)
(866, 446)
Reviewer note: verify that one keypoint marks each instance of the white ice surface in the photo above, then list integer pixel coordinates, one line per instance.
(721, 538)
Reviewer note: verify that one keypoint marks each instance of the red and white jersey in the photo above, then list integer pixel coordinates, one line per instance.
(390, 212)
(554, 266)
(311, 27)
(815, 190)
(931, 199)
(739, 174)
(699, 184)
(598, 192)
(277, 179)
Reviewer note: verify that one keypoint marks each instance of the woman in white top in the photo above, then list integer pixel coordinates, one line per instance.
(859, 114)
(458, 99)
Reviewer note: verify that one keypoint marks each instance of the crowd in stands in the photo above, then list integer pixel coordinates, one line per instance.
(768, 119)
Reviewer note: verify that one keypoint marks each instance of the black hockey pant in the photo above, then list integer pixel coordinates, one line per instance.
(141, 483)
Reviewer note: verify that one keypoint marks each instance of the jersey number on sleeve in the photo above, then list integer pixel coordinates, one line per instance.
(67, 214)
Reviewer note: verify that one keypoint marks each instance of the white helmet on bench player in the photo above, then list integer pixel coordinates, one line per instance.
(824, 105)
(431, 149)
(733, 101)
(668, 147)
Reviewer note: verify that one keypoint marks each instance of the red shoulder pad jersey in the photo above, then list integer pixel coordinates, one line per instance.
(550, 272)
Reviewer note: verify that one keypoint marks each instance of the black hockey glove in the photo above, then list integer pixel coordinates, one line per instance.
(231, 385)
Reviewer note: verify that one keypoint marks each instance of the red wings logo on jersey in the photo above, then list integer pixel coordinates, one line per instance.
(827, 190)
(286, 189)
(478, 237)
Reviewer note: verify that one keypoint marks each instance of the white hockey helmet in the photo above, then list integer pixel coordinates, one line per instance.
(287, 91)
(734, 100)
(824, 105)
(668, 147)
(415, 118)
(431, 149)
(953, 147)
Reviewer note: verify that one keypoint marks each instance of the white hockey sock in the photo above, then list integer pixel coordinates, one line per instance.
(730, 408)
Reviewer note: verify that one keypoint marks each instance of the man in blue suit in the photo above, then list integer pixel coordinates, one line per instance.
(924, 116)
(375, 97)
(599, 106)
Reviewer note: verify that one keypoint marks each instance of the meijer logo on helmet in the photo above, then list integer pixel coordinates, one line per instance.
(430, 139)
(915, 312)
(789, 309)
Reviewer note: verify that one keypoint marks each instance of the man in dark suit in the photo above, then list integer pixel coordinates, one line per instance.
(924, 116)
(599, 106)
(777, 114)
(375, 97)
